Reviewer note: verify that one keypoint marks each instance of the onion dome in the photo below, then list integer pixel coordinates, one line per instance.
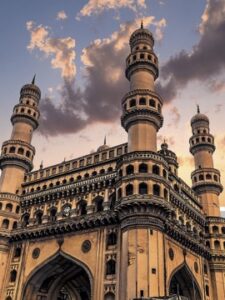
(199, 117)
(103, 147)
(168, 155)
(141, 35)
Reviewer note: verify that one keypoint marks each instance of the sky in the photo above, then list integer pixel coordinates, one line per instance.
(77, 49)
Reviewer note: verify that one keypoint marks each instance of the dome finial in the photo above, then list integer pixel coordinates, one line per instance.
(142, 26)
(105, 140)
(198, 109)
(33, 80)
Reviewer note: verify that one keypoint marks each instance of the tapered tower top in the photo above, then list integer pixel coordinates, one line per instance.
(31, 90)
(141, 35)
(199, 118)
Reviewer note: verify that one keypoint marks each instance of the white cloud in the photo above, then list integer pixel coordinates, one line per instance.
(94, 7)
(60, 49)
(61, 15)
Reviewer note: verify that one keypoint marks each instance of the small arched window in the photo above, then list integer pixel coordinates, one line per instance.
(142, 101)
(28, 154)
(142, 56)
(9, 207)
(217, 245)
(143, 188)
(5, 224)
(207, 243)
(14, 225)
(152, 102)
(102, 171)
(98, 201)
(12, 150)
(79, 177)
(109, 296)
(164, 173)
(143, 168)
(201, 177)
(111, 239)
(53, 214)
(21, 151)
(17, 209)
(130, 170)
(155, 169)
(13, 275)
(156, 190)
(132, 102)
(111, 267)
(215, 229)
(208, 176)
(205, 269)
(39, 216)
(0, 205)
(17, 252)
(165, 192)
(82, 207)
(129, 190)
(176, 188)
(223, 230)
(25, 220)
(215, 177)
(207, 290)
(94, 173)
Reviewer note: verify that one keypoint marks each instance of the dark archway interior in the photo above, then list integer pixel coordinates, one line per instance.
(183, 284)
(59, 279)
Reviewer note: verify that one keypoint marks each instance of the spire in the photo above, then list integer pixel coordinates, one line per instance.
(142, 26)
(105, 140)
(198, 109)
(41, 165)
(33, 80)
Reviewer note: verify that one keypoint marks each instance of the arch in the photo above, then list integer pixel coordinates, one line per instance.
(17, 252)
(119, 193)
(14, 225)
(39, 215)
(182, 281)
(82, 207)
(53, 214)
(17, 209)
(98, 201)
(143, 188)
(132, 102)
(109, 296)
(208, 176)
(9, 207)
(156, 170)
(201, 177)
(20, 151)
(111, 239)
(129, 189)
(215, 229)
(0, 205)
(223, 230)
(12, 149)
(129, 169)
(13, 275)
(61, 274)
(142, 101)
(152, 102)
(156, 190)
(143, 168)
(111, 267)
(217, 245)
(25, 219)
(5, 224)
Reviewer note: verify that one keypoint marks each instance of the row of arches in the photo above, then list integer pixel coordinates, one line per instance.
(72, 180)
(217, 245)
(143, 189)
(145, 56)
(9, 207)
(6, 224)
(215, 229)
(143, 168)
(203, 139)
(206, 176)
(28, 111)
(143, 102)
(29, 102)
(19, 150)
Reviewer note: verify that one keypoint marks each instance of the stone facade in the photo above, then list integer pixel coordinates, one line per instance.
(118, 223)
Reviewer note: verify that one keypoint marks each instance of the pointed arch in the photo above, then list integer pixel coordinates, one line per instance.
(183, 278)
(56, 273)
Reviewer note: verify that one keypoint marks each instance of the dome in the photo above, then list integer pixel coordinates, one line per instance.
(31, 87)
(141, 35)
(169, 155)
(103, 147)
(199, 117)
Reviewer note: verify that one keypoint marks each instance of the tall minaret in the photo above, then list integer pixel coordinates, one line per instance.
(17, 153)
(205, 178)
(142, 116)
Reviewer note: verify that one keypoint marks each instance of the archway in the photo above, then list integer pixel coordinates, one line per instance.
(61, 278)
(184, 284)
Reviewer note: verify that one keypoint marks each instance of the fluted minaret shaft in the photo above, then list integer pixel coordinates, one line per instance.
(142, 105)
(17, 153)
(205, 178)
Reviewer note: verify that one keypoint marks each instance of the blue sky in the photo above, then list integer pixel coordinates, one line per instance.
(180, 32)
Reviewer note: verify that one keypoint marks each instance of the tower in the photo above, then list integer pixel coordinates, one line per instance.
(16, 159)
(205, 178)
(142, 116)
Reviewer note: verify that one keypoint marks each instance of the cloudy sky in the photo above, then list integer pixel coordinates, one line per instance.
(78, 51)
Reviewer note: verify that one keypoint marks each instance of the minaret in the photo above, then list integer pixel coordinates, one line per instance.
(17, 153)
(142, 116)
(205, 178)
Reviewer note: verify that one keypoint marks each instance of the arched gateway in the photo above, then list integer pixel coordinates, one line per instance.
(183, 283)
(60, 278)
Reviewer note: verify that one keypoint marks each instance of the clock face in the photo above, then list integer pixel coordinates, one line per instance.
(66, 210)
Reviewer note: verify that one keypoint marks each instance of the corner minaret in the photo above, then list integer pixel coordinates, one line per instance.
(142, 116)
(205, 178)
(17, 153)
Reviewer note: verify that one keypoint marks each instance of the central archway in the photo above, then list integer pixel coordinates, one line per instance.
(183, 283)
(60, 278)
